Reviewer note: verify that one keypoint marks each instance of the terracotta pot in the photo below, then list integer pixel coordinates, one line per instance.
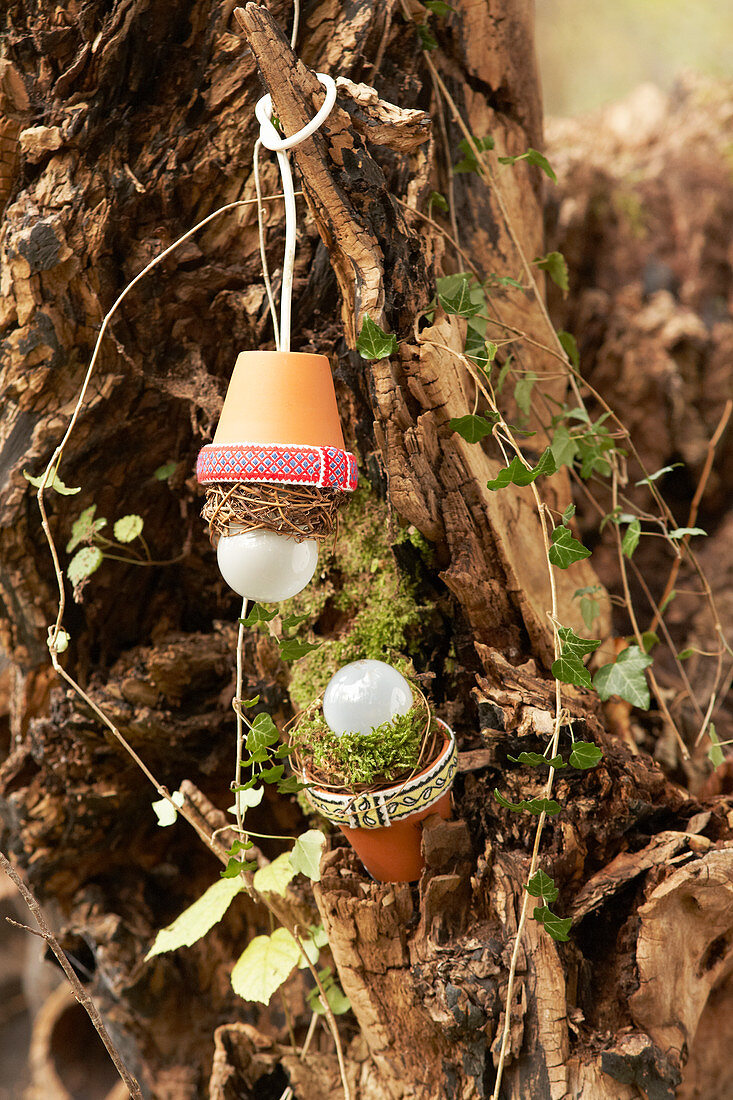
(280, 397)
(384, 827)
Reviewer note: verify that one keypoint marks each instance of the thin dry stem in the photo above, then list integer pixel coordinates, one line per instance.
(80, 993)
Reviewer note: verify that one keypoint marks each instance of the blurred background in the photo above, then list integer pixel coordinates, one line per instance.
(592, 54)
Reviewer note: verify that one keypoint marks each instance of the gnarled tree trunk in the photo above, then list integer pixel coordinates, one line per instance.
(121, 126)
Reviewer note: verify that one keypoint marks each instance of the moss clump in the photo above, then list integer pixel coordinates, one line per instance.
(352, 760)
(366, 607)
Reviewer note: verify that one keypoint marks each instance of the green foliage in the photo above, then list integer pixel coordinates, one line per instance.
(589, 608)
(517, 473)
(570, 347)
(536, 760)
(478, 349)
(631, 537)
(83, 564)
(438, 201)
(128, 528)
(532, 156)
(542, 886)
(338, 1002)
(166, 813)
(473, 428)
(275, 877)
(555, 266)
(257, 614)
(292, 649)
(53, 482)
(566, 549)
(469, 161)
(585, 755)
(349, 759)
(625, 677)
(716, 756)
(681, 532)
(166, 471)
(557, 927)
(523, 391)
(306, 854)
(459, 301)
(85, 528)
(267, 961)
(438, 7)
(373, 342)
(428, 41)
(195, 922)
(534, 806)
(659, 473)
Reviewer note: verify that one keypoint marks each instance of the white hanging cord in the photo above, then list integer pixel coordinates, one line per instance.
(270, 138)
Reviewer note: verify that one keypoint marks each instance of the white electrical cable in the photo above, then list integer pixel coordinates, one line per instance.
(271, 140)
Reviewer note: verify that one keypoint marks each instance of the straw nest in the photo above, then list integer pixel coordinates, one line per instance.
(300, 511)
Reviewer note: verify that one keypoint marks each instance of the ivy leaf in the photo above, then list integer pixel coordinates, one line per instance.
(470, 163)
(505, 280)
(165, 813)
(438, 7)
(473, 428)
(631, 538)
(584, 755)
(563, 447)
(166, 471)
(666, 602)
(265, 964)
(516, 473)
(239, 846)
(197, 920)
(459, 303)
(648, 640)
(235, 867)
(257, 614)
(273, 774)
(438, 200)
(557, 927)
(290, 785)
(523, 392)
(534, 806)
(680, 532)
(306, 855)
(625, 677)
(337, 1000)
(542, 886)
(262, 733)
(685, 654)
(535, 760)
(247, 798)
(659, 473)
(291, 649)
(373, 342)
(275, 877)
(85, 527)
(478, 349)
(554, 264)
(128, 528)
(569, 669)
(62, 639)
(570, 347)
(428, 41)
(294, 620)
(55, 483)
(532, 156)
(716, 756)
(83, 564)
(568, 513)
(572, 643)
(590, 611)
(566, 549)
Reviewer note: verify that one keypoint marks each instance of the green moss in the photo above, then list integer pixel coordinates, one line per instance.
(351, 759)
(368, 609)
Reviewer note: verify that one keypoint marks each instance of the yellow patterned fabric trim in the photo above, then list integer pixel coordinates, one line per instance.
(377, 809)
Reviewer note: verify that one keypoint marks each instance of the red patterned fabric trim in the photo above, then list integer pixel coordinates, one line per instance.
(327, 467)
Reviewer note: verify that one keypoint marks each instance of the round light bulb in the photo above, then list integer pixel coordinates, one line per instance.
(264, 566)
(364, 695)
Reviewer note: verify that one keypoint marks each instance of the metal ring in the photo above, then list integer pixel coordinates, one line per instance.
(269, 135)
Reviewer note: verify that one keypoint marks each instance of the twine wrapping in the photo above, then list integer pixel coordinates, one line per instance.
(299, 511)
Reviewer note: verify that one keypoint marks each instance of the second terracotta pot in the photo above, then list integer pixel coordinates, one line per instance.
(384, 827)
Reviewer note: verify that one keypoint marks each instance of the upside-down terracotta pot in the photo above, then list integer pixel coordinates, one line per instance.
(384, 827)
(279, 424)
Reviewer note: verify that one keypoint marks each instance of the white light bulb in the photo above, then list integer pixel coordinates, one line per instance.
(264, 566)
(363, 695)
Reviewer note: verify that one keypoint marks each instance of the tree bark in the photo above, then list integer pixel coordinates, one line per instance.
(119, 129)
